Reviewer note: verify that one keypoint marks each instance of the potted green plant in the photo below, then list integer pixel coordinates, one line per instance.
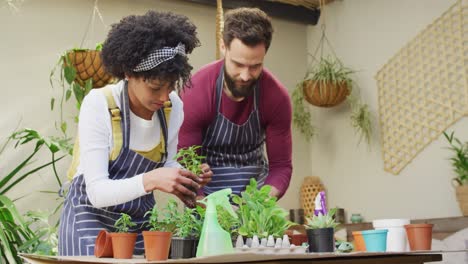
(320, 230)
(329, 83)
(79, 70)
(123, 242)
(157, 239)
(460, 167)
(191, 160)
(259, 213)
(187, 230)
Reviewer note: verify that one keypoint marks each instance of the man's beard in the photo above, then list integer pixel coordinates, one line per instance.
(239, 92)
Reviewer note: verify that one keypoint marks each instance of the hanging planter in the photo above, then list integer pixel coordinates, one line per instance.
(88, 66)
(325, 93)
(329, 83)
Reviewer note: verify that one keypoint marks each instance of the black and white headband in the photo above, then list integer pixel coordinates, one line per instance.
(159, 56)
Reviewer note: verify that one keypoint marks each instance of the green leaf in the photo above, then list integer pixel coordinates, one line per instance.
(52, 102)
(69, 73)
(78, 91)
(88, 86)
(63, 127)
(68, 94)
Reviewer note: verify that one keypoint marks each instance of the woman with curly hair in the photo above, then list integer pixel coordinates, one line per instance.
(128, 132)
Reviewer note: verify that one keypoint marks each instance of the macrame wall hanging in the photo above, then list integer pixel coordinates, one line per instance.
(219, 27)
(423, 89)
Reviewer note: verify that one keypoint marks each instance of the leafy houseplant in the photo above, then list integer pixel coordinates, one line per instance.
(17, 234)
(322, 221)
(80, 70)
(460, 167)
(460, 159)
(123, 242)
(259, 213)
(329, 83)
(188, 224)
(190, 159)
(158, 239)
(320, 230)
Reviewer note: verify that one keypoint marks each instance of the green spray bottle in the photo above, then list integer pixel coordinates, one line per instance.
(214, 240)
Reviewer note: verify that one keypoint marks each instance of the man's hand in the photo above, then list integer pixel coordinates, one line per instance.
(274, 192)
(206, 175)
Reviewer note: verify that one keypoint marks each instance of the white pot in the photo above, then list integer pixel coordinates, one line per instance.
(396, 236)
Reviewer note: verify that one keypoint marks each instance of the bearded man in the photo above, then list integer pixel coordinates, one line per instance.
(236, 107)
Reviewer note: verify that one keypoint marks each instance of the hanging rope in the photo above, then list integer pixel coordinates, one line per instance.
(219, 26)
(91, 21)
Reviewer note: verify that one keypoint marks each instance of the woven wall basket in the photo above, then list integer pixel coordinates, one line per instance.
(311, 186)
(88, 65)
(324, 94)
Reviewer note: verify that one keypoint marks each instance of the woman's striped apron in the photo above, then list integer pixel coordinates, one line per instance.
(80, 222)
(234, 152)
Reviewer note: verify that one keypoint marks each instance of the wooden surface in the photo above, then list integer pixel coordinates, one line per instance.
(443, 227)
(324, 258)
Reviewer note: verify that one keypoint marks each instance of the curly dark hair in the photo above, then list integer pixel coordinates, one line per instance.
(250, 25)
(134, 37)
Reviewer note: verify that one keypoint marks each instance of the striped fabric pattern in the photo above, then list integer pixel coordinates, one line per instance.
(234, 152)
(80, 222)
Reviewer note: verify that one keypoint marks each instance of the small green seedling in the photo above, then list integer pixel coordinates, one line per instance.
(123, 224)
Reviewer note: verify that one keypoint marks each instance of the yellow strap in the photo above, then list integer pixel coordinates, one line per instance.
(115, 122)
(75, 160)
(116, 134)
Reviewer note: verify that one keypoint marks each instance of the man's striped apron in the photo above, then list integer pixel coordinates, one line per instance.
(80, 222)
(234, 152)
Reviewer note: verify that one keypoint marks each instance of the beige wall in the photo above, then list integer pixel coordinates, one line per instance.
(33, 38)
(366, 34)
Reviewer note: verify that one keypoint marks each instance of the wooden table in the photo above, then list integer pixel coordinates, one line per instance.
(324, 258)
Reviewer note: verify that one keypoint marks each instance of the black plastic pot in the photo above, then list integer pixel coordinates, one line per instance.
(321, 239)
(183, 247)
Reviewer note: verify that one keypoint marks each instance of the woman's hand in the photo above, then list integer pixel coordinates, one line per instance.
(182, 183)
(206, 175)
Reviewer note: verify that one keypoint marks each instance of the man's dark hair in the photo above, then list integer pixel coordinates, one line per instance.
(250, 25)
(135, 37)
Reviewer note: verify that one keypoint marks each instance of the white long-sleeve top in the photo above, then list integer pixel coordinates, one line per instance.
(96, 142)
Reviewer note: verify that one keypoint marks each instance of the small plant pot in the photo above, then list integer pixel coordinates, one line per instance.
(419, 236)
(103, 245)
(299, 239)
(157, 244)
(396, 236)
(359, 243)
(183, 247)
(376, 240)
(321, 239)
(462, 198)
(123, 245)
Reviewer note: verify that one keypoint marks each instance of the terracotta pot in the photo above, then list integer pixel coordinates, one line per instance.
(298, 239)
(123, 245)
(157, 244)
(324, 93)
(419, 236)
(359, 243)
(103, 245)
